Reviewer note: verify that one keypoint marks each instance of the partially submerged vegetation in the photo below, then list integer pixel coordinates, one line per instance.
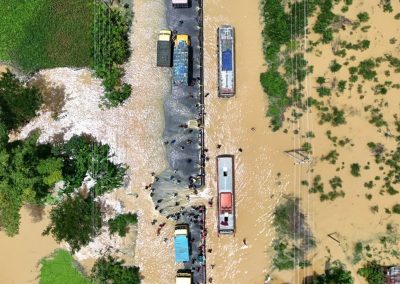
(120, 223)
(294, 238)
(29, 171)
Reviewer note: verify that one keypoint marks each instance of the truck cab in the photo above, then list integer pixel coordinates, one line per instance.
(164, 49)
(181, 243)
(184, 277)
(181, 3)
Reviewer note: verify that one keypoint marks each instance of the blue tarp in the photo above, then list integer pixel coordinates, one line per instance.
(181, 63)
(227, 60)
(181, 248)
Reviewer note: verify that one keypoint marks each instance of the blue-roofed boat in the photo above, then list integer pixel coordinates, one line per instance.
(226, 70)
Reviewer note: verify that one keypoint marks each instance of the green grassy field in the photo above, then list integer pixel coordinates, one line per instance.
(37, 34)
(60, 269)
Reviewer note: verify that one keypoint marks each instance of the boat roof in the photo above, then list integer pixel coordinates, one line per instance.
(181, 248)
(226, 201)
(225, 173)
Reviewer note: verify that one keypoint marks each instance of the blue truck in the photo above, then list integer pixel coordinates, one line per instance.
(181, 60)
(181, 243)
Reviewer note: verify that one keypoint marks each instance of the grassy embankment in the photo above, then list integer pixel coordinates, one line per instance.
(42, 34)
(61, 268)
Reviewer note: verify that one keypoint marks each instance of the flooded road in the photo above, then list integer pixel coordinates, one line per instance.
(229, 122)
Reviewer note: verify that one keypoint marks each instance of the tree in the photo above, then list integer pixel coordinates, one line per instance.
(76, 220)
(120, 223)
(355, 169)
(27, 172)
(363, 16)
(336, 274)
(111, 270)
(18, 103)
(372, 272)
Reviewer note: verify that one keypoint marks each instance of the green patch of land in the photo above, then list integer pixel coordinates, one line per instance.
(61, 268)
(38, 34)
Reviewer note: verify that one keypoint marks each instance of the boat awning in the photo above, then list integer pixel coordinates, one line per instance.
(226, 201)
(227, 60)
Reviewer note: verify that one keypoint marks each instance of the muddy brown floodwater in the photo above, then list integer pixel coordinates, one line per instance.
(229, 122)
(20, 255)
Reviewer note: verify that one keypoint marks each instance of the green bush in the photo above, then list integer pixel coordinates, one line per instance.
(357, 255)
(396, 209)
(355, 170)
(324, 21)
(372, 272)
(363, 16)
(110, 28)
(276, 89)
(334, 67)
(111, 270)
(366, 69)
(18, 103)
(335, 274)
(76, 220)
(120, 223)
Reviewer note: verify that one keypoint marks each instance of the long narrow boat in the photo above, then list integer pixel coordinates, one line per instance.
(226, 56)
(226, 194)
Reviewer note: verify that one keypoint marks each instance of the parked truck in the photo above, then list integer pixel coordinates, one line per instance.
(181, 243)
(181, 60)
(184, 277)
(164, 49)
(181, 3)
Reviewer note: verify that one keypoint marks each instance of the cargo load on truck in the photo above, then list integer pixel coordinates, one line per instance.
(181, 243)
(226, 66)
(164, 49)
(184, 277)
(181, 60)
(226, 194)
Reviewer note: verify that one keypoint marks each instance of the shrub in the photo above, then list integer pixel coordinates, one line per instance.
(18, 103)
(366, 69)
(372, 272)
(396, 208)
(120, 223)
(363, 17)
(110, 270)
(334, 67)
(342, 86)
(335, 182)
(355, 170)
(357, 255)
(276, 89)
(331, 157)
(76, 221)
(323, 92)
(335, 274)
